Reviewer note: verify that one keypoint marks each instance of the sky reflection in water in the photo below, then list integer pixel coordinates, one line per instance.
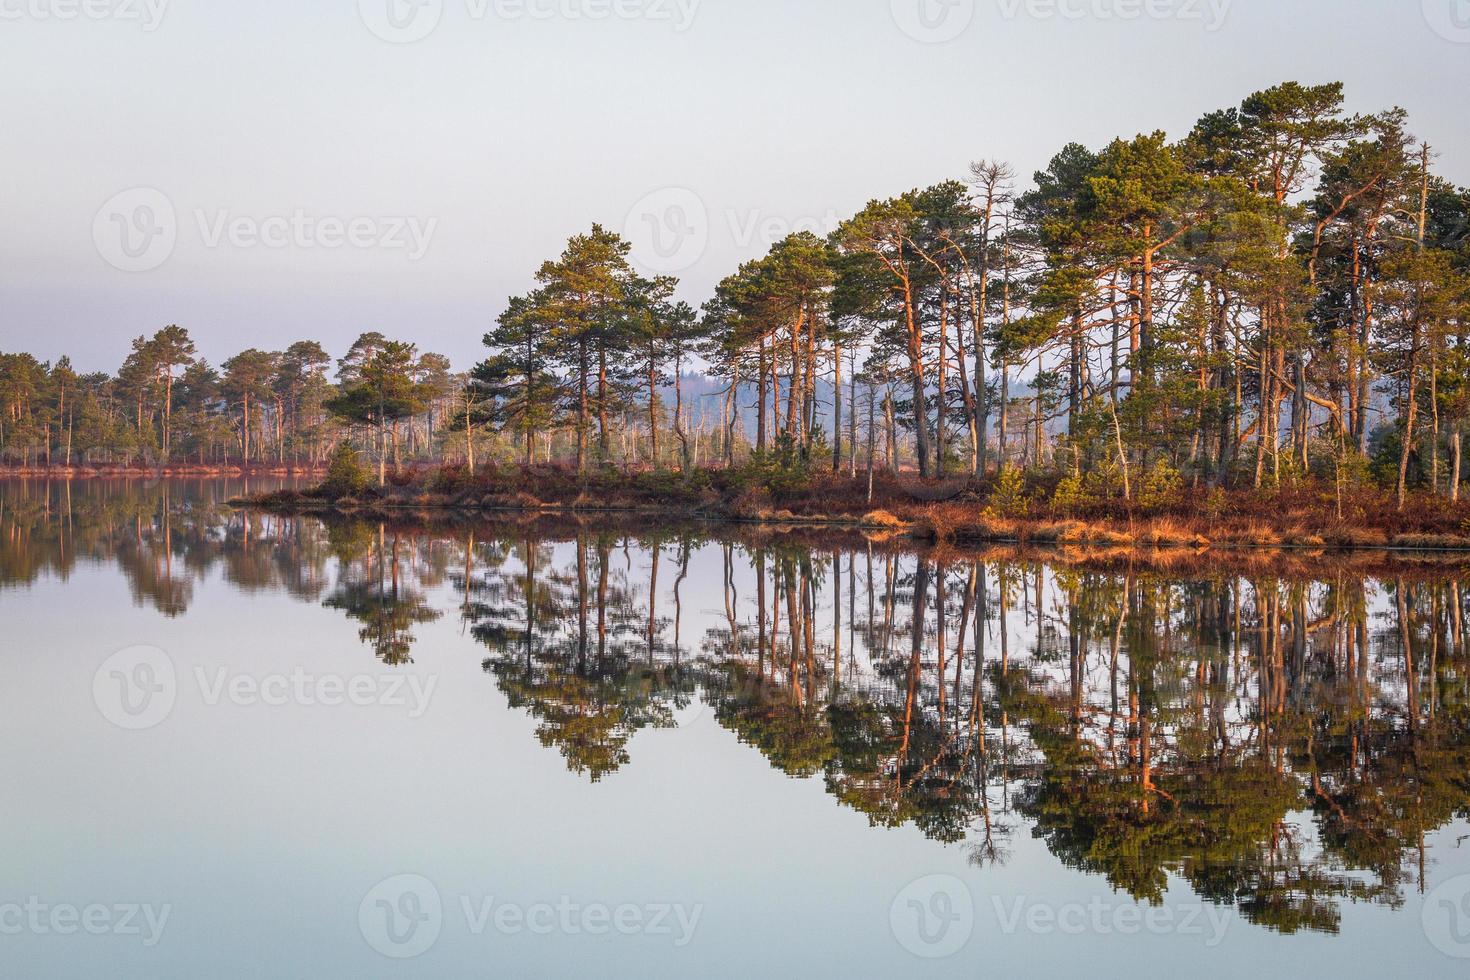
(556, 748)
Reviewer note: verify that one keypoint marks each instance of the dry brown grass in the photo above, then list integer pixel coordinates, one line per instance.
(750, 505)
(1353, 536)
(931, 526)
(983, 528)
(1252, 533)
(1107, 536)
(1050, 531)
(1167, 532)
(511, 501)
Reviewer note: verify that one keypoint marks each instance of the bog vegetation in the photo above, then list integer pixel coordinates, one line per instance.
(1275, 299)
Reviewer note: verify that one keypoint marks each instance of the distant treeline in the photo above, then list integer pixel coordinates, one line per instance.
(1280, 294)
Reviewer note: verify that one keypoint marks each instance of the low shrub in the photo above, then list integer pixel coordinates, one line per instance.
(781, 472)
(1161, 487)
(452, 479)
(347, 475)
(670, 485)
(1072, 495)
(1009, 498)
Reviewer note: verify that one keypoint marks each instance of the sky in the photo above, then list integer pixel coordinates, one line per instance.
(271, 171)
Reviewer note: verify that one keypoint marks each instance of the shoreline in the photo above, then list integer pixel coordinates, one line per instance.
(961, 527)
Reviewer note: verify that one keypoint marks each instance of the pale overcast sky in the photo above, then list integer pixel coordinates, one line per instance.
(266, 171)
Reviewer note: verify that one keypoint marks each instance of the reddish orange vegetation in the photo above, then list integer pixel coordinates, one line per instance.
(1292, 564)
(956, 511)
(1301, 517)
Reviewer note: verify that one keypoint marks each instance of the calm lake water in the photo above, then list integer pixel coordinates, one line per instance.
(241, 745)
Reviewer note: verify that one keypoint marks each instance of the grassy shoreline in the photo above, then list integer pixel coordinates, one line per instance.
(1309, 518)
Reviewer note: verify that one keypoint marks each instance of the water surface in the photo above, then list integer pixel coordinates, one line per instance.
(541, 749)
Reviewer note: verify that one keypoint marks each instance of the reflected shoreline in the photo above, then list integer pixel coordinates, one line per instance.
(1287, 561)
(1284, 744)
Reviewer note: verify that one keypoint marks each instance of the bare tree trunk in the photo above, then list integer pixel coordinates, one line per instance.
(733, 409)
(680, 432)
(872, 436)
(1457, 448)
(837, 410)
(1005, 409)
(891, 437)
(760, 426)
(1411, 413)
(604, 445)
(469, 433)
(653, 412)
(852, 447)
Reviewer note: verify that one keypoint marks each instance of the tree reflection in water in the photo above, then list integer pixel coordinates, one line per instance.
(1281, 745)
(371, 590)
